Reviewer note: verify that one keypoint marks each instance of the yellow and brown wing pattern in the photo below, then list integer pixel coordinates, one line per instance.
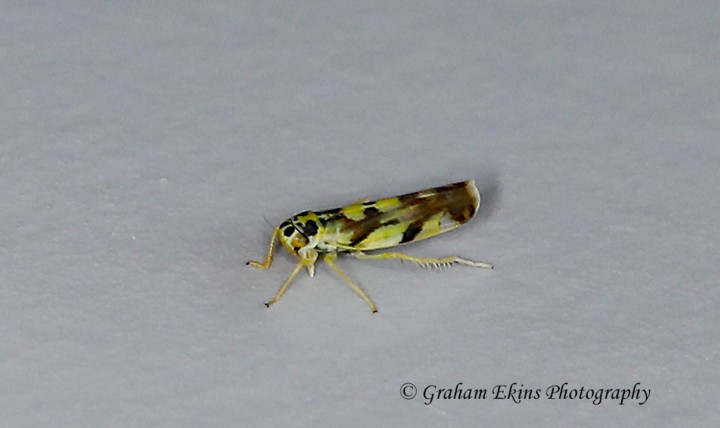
(401, 219)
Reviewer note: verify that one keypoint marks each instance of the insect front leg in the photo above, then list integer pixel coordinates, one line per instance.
(424, 261)
(268, 256)
(330, 260)
(310, 255)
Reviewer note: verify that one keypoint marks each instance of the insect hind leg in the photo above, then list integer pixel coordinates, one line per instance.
(428, 262)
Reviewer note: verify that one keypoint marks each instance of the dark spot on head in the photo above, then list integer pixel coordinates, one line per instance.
(302, 214)
(284, 224)
(367, 204)
(288, 231)
(310, 228)
(411, 232)
(371, 212)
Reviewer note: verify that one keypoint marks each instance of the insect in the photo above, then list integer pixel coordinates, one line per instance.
(365, 226)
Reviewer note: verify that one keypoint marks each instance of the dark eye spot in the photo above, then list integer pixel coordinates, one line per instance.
(288, 231)
(310, 228)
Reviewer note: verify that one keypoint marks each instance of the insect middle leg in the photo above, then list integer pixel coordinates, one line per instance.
(330, 260)
(286, 284)
(424, 261)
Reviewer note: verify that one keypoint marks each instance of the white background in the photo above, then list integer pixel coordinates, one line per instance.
(143, 146)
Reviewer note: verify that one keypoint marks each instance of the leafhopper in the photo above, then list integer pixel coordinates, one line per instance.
(367, 226)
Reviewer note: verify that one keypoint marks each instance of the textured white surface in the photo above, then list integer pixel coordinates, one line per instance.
(141, 145)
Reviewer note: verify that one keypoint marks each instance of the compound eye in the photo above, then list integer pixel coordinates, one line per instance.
(310, 228)
(288, 231)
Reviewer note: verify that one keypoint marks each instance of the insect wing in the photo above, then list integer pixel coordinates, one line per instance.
(407, 218)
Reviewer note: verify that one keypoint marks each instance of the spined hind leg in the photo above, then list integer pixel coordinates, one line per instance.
(430, 262)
